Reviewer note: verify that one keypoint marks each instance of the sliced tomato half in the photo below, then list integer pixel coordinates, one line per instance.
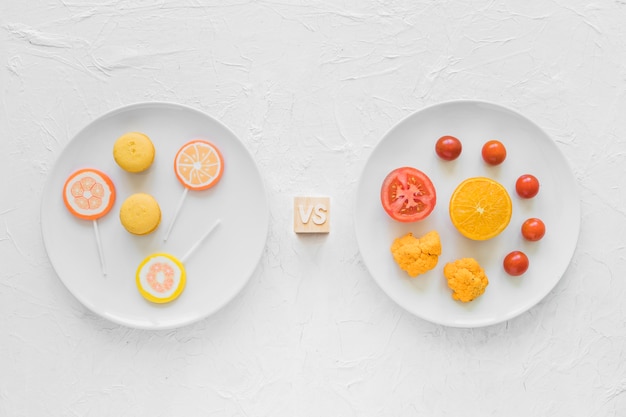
(408, 195)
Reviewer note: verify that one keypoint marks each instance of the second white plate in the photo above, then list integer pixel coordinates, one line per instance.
(216, 272)
(530, 151)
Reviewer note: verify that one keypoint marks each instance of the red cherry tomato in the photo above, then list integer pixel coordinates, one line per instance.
(494, 152)
(515, 263)
(527, 186)
(533, 229)
(408, 195)
(448, 148)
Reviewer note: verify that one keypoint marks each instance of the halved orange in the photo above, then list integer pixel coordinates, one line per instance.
(480, 208)
(198, 165)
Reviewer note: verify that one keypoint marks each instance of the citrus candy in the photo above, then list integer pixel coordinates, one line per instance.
(88, 194)
(198, 165)
(161, 278)
(480, 208)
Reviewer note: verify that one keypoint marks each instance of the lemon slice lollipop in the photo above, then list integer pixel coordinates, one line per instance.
(161, 277)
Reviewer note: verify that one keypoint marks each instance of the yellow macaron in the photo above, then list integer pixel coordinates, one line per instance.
(140, 214)
(134, 152)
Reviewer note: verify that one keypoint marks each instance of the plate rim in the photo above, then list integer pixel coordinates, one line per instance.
(578, 211)
(148, 325)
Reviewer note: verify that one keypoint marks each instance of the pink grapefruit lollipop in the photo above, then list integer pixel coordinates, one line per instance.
(89, 194)
(198, 166)
(161, 277)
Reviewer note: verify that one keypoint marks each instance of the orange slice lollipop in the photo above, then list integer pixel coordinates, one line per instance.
(198, 165)
(89, 194)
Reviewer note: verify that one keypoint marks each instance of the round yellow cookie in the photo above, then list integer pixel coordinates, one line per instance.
(133, 152)
(140, 214)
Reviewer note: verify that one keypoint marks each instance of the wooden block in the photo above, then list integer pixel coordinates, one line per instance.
(311, 214)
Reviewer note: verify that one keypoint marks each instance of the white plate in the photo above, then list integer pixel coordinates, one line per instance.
(529, 150)
(216, 272)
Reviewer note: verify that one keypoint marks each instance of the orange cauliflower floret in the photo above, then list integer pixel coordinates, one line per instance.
(466, 279)
(417, 256)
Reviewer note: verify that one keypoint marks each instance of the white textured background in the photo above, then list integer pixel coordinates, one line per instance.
(310, 87)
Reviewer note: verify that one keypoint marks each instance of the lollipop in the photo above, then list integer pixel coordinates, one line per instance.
(198, 166)
(89, 194)
(161, 277)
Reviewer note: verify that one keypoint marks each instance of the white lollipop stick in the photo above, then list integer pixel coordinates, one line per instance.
(180, 205)
(100, 251)
(195, 246)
